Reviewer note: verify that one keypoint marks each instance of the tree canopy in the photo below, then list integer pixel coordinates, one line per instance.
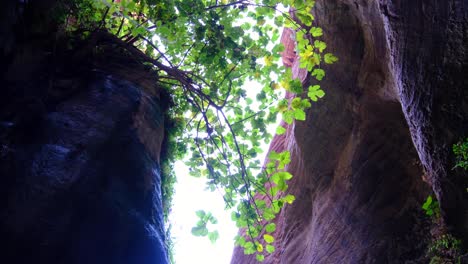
(207, 53)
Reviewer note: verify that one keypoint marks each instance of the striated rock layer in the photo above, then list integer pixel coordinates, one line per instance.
(371, 150)
(81, 130)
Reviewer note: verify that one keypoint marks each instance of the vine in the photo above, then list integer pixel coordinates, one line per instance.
(206, 51)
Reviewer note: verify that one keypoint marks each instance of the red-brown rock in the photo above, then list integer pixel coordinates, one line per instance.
(396, 102)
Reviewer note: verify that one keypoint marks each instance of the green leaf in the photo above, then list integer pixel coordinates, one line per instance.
(276, 205)
(295, 86)
(260, 258)
(315, 92)
(320, 45)
(299, 114)
(318, 73)
(249, 248)
(280, 130)
(285, 158)
(305, 103)
(273, 191)
(199, 231)
(270, 228)
(427, 203)
(282, 105)
(268, 214)
(213, 236)
(282, 186)
(249, 251)
(329, 58)
(240, 241)
(211, 218)
(234, 216)
(270, 248)
(138, 31)
(316, 32)
(288, 116)
(305, 17)
(273, 155)
(259, 247)
(260, 203)
(200, 213)
(296, 103)
(268, 238)
(281, 176)
(286, 175)
(289, 198)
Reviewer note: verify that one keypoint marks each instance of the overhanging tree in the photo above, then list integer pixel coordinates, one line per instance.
(207, 53)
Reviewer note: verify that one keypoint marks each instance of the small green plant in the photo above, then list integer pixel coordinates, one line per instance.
(431, 207)
(461, 152)
(445, 249)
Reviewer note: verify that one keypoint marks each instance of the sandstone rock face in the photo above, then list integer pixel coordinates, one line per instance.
(371, 150)
(80, 140)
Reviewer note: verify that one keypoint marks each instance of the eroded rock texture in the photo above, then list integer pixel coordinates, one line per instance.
(80, 137)
(371, 150)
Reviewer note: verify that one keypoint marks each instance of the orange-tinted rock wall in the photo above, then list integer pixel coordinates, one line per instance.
(361, 160)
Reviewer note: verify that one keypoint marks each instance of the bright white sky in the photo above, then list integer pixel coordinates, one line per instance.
(191, 196)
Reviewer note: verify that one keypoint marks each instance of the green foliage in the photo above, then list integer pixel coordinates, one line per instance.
(446, 241)
(205, 52)
(431, 207)
(172, 150)
(445, 249)
(461, 152)
(169, 243)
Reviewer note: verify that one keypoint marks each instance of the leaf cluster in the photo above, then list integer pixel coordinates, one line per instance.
(445, 249)
(201, 229)
(461, 152)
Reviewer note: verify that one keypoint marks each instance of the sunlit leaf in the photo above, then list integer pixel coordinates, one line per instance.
(280, 130)
(318, 73)
(316, 32)
(260, 258)
(289, 198)
(315, 92)
(270, 248)
(268, 238)
(329, 58)
(259, 247)
(271, 227)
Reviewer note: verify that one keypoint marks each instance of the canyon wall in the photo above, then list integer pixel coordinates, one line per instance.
(380, 141)
(81, 129)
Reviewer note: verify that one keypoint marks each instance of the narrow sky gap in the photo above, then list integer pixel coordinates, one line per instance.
(191, 195)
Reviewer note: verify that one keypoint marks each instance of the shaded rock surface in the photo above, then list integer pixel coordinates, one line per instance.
(371, 150)
(80, 138)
